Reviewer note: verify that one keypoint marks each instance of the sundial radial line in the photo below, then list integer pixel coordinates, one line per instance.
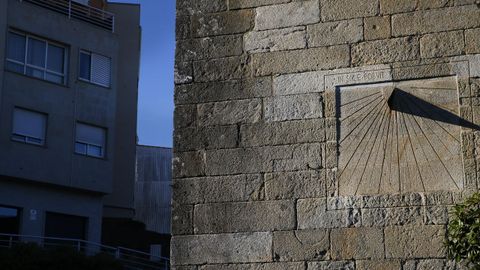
(413, 152)
(364, 118)
(362, 98)
(363, 106)
(436, 153)
(366, 127)
(374, 121)
(429, 114)
(371, 149)
(358, 145)
(433, 88)
(398, 155)
(385, 150)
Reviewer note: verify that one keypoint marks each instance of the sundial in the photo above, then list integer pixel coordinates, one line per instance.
(400, 137)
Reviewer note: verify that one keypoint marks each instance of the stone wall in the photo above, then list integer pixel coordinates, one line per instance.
(259, 130)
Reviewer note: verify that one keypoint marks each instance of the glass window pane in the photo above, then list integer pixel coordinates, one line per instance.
(15, 67)
(36, 52)
(19, 138)
(95, 151)
(30, 124)
(85, 66)
(54, 78)
(16, 47)
(55, 59)
(35, 72)
(80, 148)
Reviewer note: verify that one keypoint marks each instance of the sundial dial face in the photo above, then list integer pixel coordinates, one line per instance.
(399, 137)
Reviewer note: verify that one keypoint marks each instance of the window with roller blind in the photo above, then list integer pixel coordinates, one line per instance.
(36, 57)
(95, 68)
(29, 126)
(90, 140)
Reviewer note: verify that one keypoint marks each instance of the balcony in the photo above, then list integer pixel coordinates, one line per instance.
(72, 9)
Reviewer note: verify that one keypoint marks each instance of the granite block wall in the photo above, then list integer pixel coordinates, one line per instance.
(259, 129)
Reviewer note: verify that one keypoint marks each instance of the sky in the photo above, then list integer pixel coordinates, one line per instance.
(155, 98)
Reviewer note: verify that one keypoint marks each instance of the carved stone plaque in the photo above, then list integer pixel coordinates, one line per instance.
(399, 137)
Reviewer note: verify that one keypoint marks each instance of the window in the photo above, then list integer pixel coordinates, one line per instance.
(95, 68)
(9, 220)
(90, 140)
(65, 226)
(36, 57)
(29, 127)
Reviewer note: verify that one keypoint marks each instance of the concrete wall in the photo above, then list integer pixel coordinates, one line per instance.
(261, 91)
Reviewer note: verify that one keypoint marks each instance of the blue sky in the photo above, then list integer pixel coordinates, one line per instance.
(155, 99)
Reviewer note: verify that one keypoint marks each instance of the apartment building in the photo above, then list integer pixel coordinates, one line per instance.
(68, 110)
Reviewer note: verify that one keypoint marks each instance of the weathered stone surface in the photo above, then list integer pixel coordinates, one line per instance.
(377, 28)
(331, 265)
(437, 20)
(213, 137)
(185, 267)
(378, 265)
(182, 219)
(275, 40)
(184, 116)
(278, 133)
(182, 27)
(382, 217)
(222, 91)
(333, 10)
(229, 112)
(222, 248)
(188, 7)
(442, 44)
(189, 164)
(244, 217)
(298, 13)
(414, 241)
(299, 83)
(472, 40)
(357, 243)
(436, 215)
(183, 72)
(293, 107)
(303, 157)
(429, 4)
(236, 4)
(231, 68)
(301, 245)
(385, 51)
(313, 214)
(333, 33)
(295, 185)
(257, 266)
(209, 48)
(431, 264)
(395, 6)
(219, 189)
(231, 22)
(300, 60)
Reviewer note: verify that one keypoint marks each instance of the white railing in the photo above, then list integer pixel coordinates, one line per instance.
(131, 259)
(79, 11)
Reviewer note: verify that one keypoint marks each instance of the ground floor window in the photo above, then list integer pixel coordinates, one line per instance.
(65, 226)
(9, 220)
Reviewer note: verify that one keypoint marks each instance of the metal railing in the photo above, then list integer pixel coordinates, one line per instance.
(131, 259)
(79, 11)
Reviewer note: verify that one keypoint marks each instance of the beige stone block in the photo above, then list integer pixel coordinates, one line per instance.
(378, 265)
(256, 266)
(385, 51)
(414, 241)
(189, 164)
(236, 4)
(334, 10)
(275, 40)
(377, 28)
(223, 69)
(244, 217)
(188, 7)
(229, 112)
(225, 23)
(331, 265)
(442, 44)
(301, 245)
(209, 48)
(396, 6)
(299, 83)
(472, 41)
(430, 4)
(333, 33)
(300, 60)
(222, 248)
(357, 243)
(281, 108)
(295, 185)
(436, 20)
(298, 13)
